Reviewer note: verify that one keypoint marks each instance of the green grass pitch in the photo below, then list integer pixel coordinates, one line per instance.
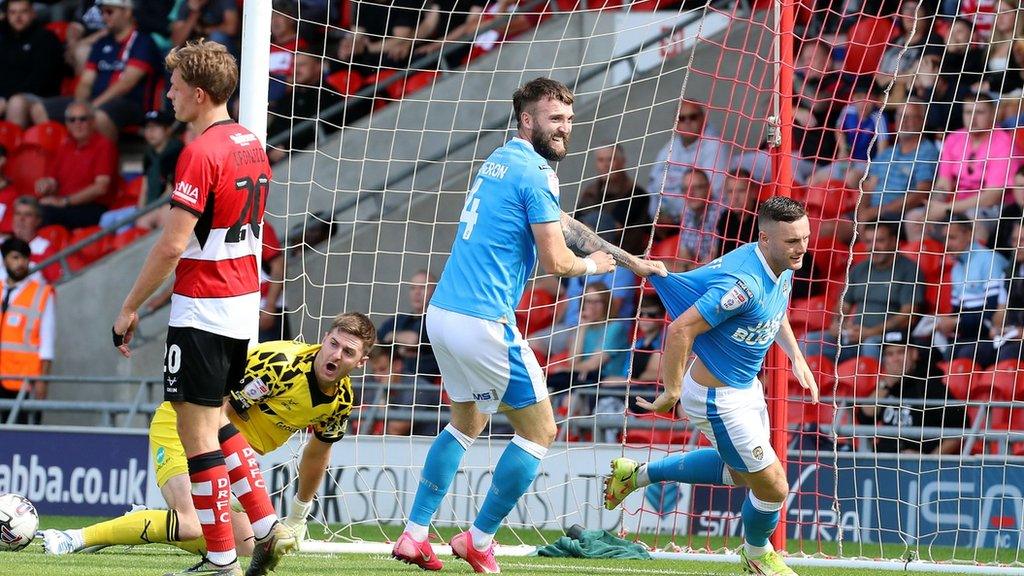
(155, 560)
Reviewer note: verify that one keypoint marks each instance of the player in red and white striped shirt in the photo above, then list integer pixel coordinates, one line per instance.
(212, 242)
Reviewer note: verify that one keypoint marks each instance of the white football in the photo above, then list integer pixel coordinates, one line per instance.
(18, 522)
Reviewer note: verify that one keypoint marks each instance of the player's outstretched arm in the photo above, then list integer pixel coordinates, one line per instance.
(787, 340)
(678, 345)
(583, 240)
(155, 271)
(312, 467)
(559, 260)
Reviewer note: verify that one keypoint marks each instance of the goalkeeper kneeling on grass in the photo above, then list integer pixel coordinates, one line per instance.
(288, 386)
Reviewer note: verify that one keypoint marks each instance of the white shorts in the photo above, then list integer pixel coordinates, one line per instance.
(734, 420)
(484, 361)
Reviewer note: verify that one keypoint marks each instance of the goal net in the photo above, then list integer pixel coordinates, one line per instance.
(687, 117)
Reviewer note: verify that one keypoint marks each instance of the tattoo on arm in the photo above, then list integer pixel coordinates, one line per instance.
(583, 241)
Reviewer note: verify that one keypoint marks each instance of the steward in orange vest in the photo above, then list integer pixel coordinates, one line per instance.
(26, 320)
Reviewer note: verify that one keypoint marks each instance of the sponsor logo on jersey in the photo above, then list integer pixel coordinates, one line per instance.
(186, 192)
(483, 396)
(761, 333)
(553, 183)
(243, 139)
(161, 455)
(256, 389)
(734, 298)
(494, 170)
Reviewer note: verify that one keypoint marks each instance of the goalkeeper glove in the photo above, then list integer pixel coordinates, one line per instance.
(296, 519)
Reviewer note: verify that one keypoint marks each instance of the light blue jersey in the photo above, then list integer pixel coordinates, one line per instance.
(494, 249)
(742, 300)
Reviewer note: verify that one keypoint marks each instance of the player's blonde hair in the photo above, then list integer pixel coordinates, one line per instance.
(358, 325)
(206, 65)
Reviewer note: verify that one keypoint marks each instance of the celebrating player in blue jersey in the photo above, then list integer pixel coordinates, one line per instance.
(511, 214)
(728, 312)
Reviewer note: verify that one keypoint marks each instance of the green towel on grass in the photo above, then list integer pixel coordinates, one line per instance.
(593, 544)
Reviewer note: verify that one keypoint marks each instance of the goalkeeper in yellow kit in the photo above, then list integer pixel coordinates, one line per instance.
(288, 386)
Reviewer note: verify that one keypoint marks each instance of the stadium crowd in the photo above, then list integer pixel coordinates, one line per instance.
(916, 103)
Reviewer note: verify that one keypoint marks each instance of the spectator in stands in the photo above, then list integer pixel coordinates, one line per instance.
(304, 99)
(450, 24)
(697, 221)
(31, 58)
(916, 37)
(119, 79)
(963, 62)
(625, 290)
(901, 176)
(645, 359)
(8, 194)
(85, 173)
(1011, 79)
(881, 295)
(861, 130)
(1008, 28)
(1007, 329)
(613, 205)
(979, 285)
(82, 34)
(908, 374)
(26, 221)
(820, 94)
(595, 349)
(395, 389)
(26, 326)
(976, 166)
(159, 160)
(978, 16)
(737, 225)
(284, 45)
(938, 90)
(408, 326)
(216, 20)
(381, 36)
(695, 144)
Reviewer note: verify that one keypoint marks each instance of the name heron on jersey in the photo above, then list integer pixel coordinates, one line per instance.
(494, 170)
(186, 192)
(761, 333)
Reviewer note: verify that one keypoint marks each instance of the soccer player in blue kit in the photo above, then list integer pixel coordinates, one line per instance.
(511, 217)
(728, 312)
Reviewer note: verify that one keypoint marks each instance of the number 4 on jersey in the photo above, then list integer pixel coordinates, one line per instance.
(469, 211)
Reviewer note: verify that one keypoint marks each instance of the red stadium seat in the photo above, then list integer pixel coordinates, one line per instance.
(958, 377)
(48, 135)
(122, 239)
(830, 201)
(28, 164)
(1009, 379)
(857, 376)
(345, 82)
(411, 83)
(811, 314)
(59, 29)
(89, 253)
(536, 311)
(128, 195)
(641, 435)
(867, 42)
(10, 135)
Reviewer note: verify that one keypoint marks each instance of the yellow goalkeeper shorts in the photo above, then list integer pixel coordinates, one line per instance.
(165, 446)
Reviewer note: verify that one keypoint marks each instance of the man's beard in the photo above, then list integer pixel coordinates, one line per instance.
(542, 145)
(18, 275)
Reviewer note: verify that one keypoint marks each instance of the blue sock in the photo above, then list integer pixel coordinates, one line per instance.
(702, 466)
(759, 519)
(439, 469)
(514, 473)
